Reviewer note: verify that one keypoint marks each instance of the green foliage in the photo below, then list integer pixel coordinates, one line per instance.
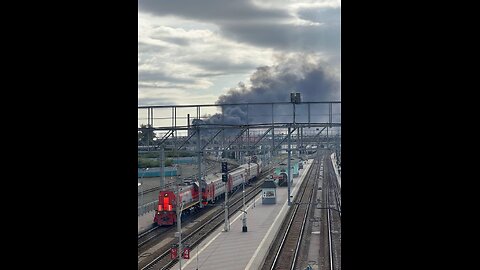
(145, 135)
(152, 162)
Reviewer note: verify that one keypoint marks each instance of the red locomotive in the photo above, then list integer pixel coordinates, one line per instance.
(211, 188)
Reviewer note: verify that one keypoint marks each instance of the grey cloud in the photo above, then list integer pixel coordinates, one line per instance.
(155, 101)
(315, 37)
(177, 41)
(169, 86)
(210, 74)
(174, 40)
(149, 76)
(244, 22)
(149, 48)
(329, 16)
(221, 65)
(210, 10)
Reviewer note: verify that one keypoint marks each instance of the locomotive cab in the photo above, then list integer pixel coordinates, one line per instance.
(165, 213)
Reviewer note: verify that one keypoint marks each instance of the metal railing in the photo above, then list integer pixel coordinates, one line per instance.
(146, 208)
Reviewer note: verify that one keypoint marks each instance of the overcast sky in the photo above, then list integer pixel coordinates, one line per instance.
(194, 51)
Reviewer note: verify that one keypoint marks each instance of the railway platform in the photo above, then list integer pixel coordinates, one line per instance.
(334, 161)
(244, 250)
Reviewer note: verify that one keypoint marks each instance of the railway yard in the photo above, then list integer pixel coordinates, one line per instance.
(305, 235)
(261, 190)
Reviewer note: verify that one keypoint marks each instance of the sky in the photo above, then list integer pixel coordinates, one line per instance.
(211, 51)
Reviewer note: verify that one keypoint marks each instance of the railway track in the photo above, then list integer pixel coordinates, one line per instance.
(332, 215)
(160, 259)
(285, 250)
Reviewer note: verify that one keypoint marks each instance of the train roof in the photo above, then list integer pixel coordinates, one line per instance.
(218, 176)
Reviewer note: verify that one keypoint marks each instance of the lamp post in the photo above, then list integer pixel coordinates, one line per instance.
(179, 209)
(244, 219)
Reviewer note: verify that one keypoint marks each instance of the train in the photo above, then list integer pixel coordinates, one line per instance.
(210, 188)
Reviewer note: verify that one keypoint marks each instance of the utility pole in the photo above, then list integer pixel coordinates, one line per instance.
(294, 99)
(162, 167)
(179, 226)
(244, 217)
(226, 227)
(199, 168)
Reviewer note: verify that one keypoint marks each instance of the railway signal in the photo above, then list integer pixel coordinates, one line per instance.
(224, 167)
(224, 177)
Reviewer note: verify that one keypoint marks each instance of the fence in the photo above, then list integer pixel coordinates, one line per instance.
(148, 207)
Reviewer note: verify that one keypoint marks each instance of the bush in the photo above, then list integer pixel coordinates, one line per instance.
(151, 162)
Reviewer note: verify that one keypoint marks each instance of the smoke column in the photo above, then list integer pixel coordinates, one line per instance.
(304, 73)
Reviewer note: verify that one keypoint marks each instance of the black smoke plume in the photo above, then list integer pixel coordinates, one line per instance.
(303, 73)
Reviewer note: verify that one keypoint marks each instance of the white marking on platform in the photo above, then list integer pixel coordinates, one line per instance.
(218, 234)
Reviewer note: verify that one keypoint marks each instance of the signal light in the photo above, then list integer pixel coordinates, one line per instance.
(173, 252)
(186, 253)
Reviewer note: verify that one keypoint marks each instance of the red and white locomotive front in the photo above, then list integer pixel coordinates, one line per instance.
(165, 213)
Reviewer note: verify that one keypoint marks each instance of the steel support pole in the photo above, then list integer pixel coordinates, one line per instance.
(273, 132)
(288, 164)
(179, 226)
(327, 139)
(226, 227)
(162, 167)
(298, 142)
(244, 219)
(199, 156)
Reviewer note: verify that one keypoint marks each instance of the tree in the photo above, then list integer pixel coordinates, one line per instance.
(146, 135)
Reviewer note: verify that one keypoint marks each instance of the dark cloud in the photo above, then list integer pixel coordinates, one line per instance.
(243, 21)
(329, 16)
(210, 10)
(163, 36)
(285, 36)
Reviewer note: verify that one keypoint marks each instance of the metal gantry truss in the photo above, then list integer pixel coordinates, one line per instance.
(283, 115)
(257, 128)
